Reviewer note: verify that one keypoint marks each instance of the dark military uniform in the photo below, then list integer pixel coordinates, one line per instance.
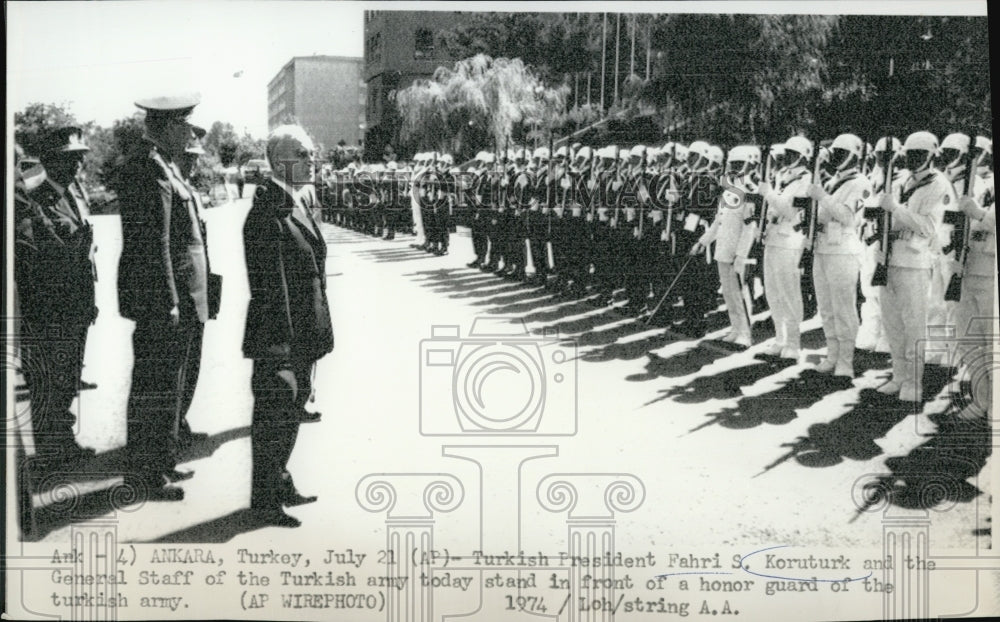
(163, 265)
(55, 274)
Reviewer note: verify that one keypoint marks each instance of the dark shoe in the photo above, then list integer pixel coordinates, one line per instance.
(178, 475)
(87, 386)
(473, 264)
(275, 516)
(490, 267)
(304, 416)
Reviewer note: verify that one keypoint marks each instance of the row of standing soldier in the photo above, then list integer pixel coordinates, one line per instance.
(794, 227)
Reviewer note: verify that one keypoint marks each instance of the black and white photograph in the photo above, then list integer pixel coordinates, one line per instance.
(568, 311)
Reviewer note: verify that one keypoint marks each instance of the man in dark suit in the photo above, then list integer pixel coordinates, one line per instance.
(55, 274)
(162, 286)
(288, 325)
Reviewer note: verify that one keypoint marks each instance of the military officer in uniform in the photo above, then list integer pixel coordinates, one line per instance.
(186, 166)
(699, 200)
(55, 274)
(836, 259)
(783, 245)
(916, 217)
(162, 287)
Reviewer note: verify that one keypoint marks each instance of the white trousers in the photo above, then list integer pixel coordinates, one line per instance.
(835, 278)
(904, 316)
(783, 289)
(871, 332)
(733, 298)
(940, 312)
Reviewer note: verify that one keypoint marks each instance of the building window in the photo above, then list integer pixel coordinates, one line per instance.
(373, 49)
(423, 48)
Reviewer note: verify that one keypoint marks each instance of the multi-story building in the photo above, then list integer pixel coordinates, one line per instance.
(323, 94)
(399, 48)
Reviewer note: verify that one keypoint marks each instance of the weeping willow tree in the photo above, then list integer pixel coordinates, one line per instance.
(477, 103)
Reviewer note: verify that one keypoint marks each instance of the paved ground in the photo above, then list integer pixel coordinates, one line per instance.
(729, 451)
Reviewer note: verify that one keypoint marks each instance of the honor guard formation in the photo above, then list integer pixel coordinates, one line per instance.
(882, 240)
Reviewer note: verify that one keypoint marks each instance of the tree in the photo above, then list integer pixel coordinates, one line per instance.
(478, 103)
(37, 119)
(223, 142)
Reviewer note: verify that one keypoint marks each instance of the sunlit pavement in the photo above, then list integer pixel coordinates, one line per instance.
(725, 456)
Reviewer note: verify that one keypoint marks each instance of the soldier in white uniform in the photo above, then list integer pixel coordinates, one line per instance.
(783, 247)
(836, 259)
(976, 303)
(871, 334)
(916, 217)
(952, 162)
(727, 231)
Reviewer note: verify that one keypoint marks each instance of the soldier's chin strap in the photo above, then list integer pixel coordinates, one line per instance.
(851, 161)
(925, 165)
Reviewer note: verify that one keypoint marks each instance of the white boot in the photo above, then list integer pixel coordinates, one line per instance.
(828, 364)
(845, 360)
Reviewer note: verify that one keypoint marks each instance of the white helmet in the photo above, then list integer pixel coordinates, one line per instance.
(739, 153)
(801, 145)
(562, 152)
(956, 141)
(715, 155)
(985, 144)
(850, 143)
(680, 152)
(637, 151)
(921, 141)
(584, 153)
(542, 153)
(447, 158)
(700, 147)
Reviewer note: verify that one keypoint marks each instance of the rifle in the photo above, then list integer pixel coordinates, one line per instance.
(881, 276)
(639, 186)
(756, 254)
(809, 224)
(591, 194)
(504, 188)
(618, 179)
(954, 291)
(550, 188)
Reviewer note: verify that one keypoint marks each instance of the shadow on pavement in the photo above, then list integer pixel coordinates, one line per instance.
(853, 434)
